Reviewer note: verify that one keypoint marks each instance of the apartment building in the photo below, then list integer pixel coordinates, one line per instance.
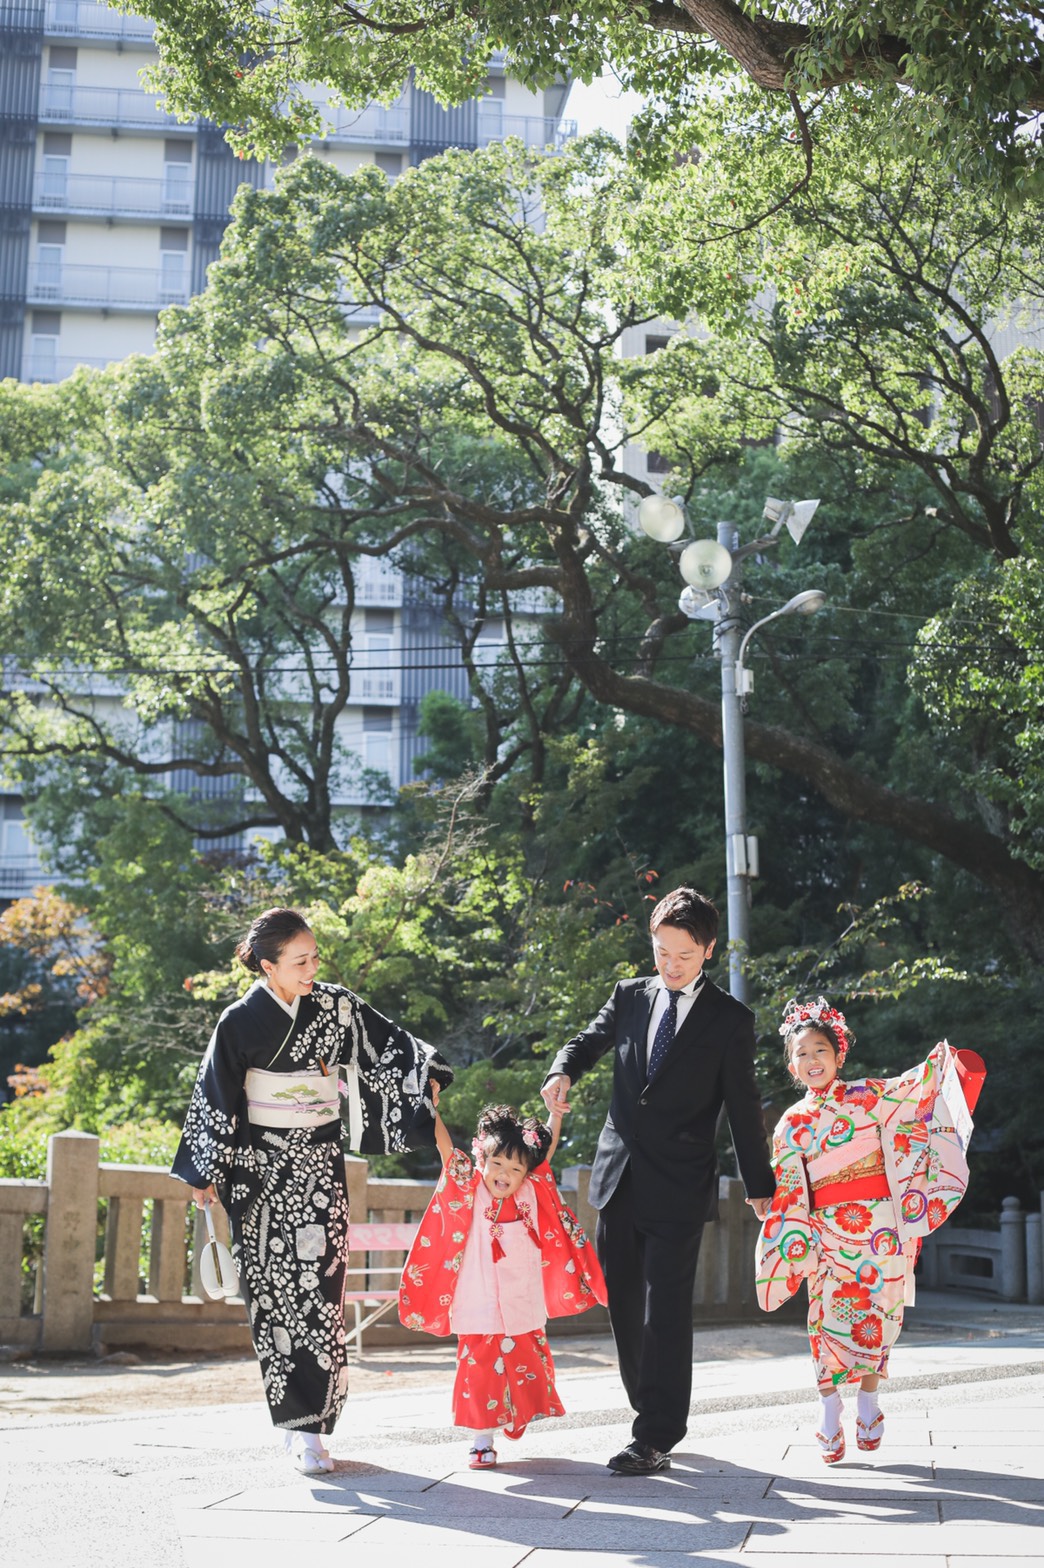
(110, 209)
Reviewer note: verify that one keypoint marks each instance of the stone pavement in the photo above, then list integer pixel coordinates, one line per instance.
(958, 1483)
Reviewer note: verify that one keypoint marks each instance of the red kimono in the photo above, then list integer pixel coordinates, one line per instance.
(492, 1273)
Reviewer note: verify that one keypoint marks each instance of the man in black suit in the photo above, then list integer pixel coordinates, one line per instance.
(683, 1049)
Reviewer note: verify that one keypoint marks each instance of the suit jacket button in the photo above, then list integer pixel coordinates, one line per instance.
(643, 1100)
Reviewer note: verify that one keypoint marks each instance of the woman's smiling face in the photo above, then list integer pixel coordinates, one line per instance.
(294, 971)
(813, 1060)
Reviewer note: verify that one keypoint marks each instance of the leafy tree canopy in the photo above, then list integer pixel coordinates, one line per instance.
(962, 77)
(476, 435)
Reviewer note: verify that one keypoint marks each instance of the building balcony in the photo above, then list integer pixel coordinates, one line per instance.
(56, 367)
(376, 584)
(19, 874)
(83, 19)
(115, 196)
(371, 127)
(113, 108)
(535, 130)
(375, 683)
(114, 288)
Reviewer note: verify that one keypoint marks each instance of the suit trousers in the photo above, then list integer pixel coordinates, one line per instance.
(650, 1272)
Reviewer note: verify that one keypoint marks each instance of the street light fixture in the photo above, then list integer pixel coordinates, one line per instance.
(661, 518)
(805, 603)
(713, 594)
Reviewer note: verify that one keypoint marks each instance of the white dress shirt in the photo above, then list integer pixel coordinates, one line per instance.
(686, 996)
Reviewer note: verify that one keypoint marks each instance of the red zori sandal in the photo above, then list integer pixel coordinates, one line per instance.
(832, 1448)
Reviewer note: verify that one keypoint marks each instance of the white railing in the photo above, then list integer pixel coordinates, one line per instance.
(373, 681)
(19, 874)
(533, 129)
(122, 107)
(118, 195)
(376, 583)
(133, 288)
(373, 125)
(84, 19)
(55, 367)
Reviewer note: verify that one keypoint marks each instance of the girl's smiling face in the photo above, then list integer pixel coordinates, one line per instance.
(813, 1060)
(503, 1174)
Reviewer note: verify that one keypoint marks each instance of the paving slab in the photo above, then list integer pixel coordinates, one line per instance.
(993, 1510)
(591, 1534)
(959, 1483)
(883, 1541)
(308, 1529)
(709, 1558)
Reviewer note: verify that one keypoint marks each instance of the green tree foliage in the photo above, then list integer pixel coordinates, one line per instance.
(471, 435)
(979, 671)
(483, 421)
(964, 78)
(454, 735)
(48, 970)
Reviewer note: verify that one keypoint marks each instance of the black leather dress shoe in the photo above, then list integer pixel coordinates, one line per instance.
(639, 1459)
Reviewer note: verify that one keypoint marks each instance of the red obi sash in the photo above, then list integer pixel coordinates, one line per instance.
(874, 1186)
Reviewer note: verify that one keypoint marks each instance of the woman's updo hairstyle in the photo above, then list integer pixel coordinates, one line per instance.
(268, 935)
(501, 1130)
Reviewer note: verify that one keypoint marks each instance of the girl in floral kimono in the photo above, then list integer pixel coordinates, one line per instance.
(497, 1252)
(864, 1171)
(263, 1135)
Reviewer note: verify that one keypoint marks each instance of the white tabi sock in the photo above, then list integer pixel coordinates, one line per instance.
(829, 1414)
(867, 1407)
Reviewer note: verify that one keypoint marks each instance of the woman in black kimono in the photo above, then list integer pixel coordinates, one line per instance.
(263, 1134)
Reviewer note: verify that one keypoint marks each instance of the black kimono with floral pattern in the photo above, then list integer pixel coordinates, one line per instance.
(284, 1188)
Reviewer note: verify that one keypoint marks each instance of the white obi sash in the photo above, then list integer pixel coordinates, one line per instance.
(307, 1099)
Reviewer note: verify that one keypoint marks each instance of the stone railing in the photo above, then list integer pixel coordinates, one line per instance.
(117, 1265)
(1005, 1262)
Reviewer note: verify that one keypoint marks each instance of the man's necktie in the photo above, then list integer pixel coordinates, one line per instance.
(665, 1032)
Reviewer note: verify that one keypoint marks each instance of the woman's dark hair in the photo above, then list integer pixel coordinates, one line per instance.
(268, 935)
(503, 1131)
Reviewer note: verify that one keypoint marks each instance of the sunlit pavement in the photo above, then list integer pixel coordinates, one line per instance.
(959, 1479)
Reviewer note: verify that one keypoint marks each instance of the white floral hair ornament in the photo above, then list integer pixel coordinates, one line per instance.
(531, 1138)
(812, 1015)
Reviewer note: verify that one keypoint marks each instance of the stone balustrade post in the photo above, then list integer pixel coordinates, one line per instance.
(70, 1241)
(574, 1187)
(1013, 1251)
(1034, 1260)
(357, 1174)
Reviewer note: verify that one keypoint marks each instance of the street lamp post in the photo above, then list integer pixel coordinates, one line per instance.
(714, 573)
(740, 851)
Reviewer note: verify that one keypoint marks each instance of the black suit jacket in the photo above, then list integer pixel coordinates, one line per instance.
(666, 1130)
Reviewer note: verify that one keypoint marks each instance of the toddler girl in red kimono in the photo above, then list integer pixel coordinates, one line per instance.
(865, 1169)
(496, 1254)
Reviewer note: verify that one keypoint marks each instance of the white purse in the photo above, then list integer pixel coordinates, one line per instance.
(217, 1271)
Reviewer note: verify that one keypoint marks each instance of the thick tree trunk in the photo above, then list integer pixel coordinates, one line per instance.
(848, 789)
(765, 48)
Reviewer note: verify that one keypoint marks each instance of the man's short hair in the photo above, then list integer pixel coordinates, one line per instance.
(690, 910)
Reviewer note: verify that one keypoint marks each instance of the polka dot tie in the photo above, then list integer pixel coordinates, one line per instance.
(665, 1032)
